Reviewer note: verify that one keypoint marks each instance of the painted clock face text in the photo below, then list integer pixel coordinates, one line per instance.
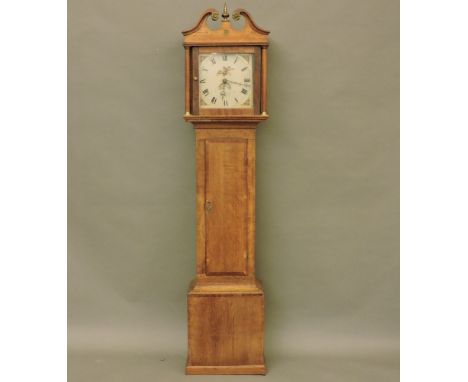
(225, 80)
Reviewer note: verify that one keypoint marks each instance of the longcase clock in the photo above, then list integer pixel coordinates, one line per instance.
(225, 100)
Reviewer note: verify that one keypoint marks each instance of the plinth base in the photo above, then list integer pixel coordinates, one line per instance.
(225, 326)
(232, 370)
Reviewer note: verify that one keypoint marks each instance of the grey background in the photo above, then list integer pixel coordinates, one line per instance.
(327, 190)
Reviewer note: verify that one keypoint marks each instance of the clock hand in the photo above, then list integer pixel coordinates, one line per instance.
(237, 83)
(224, 83)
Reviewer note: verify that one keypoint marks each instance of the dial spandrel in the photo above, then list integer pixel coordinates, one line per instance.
(225, 80)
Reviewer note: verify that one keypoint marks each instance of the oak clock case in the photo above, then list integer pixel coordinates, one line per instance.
(225, 100)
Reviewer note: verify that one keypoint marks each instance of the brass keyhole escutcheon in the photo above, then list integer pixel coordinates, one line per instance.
(208, 206)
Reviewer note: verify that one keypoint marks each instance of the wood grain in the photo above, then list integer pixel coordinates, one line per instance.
(200, 185)
(226, 206)
(232, 370)
(222, 285)
(188, 89)
(226, 329)
(226, 35)
(251, 206)
(226, 178)
(264, 79)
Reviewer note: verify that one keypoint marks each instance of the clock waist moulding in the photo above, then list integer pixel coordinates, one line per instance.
(225, 100)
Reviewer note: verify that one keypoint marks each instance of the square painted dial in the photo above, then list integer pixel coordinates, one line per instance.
(225, 80)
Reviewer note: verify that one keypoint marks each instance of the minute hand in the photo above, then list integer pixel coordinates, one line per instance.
(237, 83)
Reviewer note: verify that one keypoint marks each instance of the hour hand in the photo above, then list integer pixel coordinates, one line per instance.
(224, 83)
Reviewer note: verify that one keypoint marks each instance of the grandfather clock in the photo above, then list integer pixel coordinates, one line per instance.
(225, 100)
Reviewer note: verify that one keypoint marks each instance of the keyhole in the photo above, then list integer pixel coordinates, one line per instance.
(208, 206)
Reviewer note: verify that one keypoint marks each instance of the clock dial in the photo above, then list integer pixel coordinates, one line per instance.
(225, 80)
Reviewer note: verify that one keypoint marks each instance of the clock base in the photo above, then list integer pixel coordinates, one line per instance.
(225, 326)
(231, 370)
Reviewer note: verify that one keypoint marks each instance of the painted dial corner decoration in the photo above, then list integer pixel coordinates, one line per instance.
(225, 80)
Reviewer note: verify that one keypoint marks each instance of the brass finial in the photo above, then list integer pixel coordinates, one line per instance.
(215, 15)
(225, 14)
